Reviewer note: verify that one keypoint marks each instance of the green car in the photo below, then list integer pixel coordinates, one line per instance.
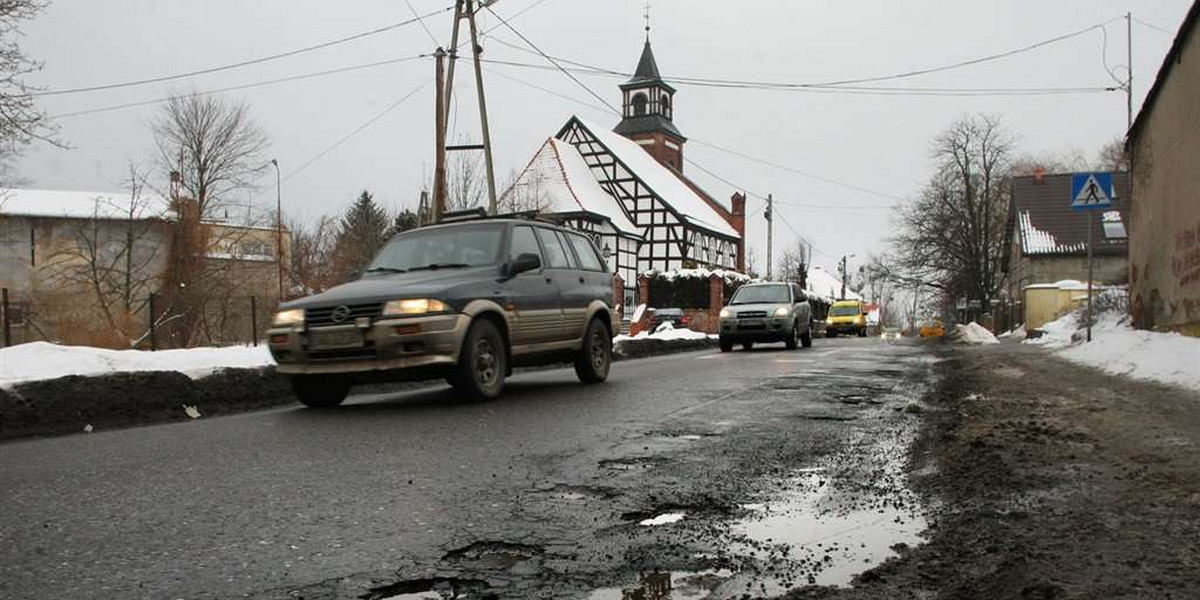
(764, 313)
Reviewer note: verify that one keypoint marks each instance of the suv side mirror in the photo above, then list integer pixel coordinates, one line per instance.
(525, 262)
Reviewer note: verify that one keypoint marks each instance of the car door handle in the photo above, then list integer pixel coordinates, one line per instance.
(581, 279)
(549, 280)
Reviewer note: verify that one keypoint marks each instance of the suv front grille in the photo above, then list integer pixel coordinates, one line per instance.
(319, 317)
(752, 314)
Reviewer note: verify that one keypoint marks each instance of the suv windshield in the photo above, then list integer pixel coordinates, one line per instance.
(844, 311)
(442, 247)
(754, 294)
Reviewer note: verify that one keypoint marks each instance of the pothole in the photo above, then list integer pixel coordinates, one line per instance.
(432, 589)
(628, 464)
(492, 555)
(666, 586)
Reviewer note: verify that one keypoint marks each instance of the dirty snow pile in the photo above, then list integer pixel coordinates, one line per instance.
(1118, 348)
(665, 331)
(41, 360)
(1016, 334)
(973, 334)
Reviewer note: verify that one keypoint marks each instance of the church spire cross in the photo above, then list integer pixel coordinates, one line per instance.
(647, 21)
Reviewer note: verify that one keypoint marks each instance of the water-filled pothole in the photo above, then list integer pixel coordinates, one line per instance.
(432, 589)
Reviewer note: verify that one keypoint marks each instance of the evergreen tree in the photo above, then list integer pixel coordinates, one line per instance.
(405, 220)
(361, 234)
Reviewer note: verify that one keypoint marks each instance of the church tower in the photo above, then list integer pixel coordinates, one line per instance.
(648, 103)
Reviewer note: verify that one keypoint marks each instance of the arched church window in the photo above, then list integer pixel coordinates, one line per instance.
(639, 105)
(665, 102)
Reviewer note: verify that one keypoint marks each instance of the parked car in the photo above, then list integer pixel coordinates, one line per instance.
(766, 312)
(933, 328)
(465, 301)
(674, 316)
(846, 316)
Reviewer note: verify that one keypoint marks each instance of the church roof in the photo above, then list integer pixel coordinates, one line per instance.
(563, 180)
(664, 183)
(647, 71)
(647, 124)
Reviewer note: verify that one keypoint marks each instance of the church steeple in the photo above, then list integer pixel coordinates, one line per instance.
(648, 108)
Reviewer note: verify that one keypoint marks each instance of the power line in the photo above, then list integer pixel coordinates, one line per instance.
(244, 86)
(358, 130)
(429, 33)
(711, 82)
(552, 61)
(243, 63)
(1154, 27)
(549, 91)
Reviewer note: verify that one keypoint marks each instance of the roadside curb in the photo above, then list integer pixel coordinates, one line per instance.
(70, 404)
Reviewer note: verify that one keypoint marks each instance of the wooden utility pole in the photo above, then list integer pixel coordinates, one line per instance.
(477, 50)
(845, 274)
(770, 215)
(1129, 62)
(439, 168)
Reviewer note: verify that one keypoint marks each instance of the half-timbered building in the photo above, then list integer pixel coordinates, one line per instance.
(626, 187)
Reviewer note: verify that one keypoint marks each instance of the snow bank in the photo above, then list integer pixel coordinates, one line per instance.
(973, 334)
(1016, 334)
(1119, 349)
(42, 360)
(665, 331)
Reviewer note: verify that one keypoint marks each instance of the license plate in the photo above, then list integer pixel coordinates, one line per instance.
(336, 339)
(751, 323)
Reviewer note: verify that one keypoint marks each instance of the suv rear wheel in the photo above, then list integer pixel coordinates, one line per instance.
(593, 361)
(482, 363)
(320, 391)
(793, 340)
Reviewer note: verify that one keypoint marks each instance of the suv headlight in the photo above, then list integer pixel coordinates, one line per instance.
(781, 312)
(419, 306)
(829, 320)
(726, 313)
(284, 318)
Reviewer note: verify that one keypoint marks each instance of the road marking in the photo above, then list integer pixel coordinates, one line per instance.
(793, 360)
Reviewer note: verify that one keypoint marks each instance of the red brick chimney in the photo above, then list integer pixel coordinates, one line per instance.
(738, 221)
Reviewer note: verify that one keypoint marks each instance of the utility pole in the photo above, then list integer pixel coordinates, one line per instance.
(477, 50)
(770, 216)
(1129, 62)
(279, 224)
(844, 275)
(439, 169)
(465, 9)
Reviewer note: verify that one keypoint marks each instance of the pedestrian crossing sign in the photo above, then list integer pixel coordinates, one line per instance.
(1092, 191)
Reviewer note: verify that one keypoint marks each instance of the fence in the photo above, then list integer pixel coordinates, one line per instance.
(149, 323)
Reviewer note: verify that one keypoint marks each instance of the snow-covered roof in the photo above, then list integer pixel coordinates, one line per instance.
(79, 205)
(1036, 241)
(828, 286)
(661, 180)
(564, 180)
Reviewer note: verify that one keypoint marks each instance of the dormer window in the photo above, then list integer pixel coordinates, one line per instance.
(639, 105)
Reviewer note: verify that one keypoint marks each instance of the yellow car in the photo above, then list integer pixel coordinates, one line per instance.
(846, 316)
(932, 329)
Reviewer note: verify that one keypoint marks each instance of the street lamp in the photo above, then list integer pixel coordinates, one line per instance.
(278, 224)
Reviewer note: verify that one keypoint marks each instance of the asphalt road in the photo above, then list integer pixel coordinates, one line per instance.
(301, 503)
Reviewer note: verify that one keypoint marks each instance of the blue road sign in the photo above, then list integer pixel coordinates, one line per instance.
(1092, 191)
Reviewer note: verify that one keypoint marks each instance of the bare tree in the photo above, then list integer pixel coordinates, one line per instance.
(112, 256)
(1112, 156)
(21, 122)
(311, 268)
(213, 150)
(466, 183)
(794, 263)
(952, 235)
(524, 192)
(212, 144)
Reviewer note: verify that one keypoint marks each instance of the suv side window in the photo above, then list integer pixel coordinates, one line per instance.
(556, 255)
(585, 252)
(523, 242)
(562, 241)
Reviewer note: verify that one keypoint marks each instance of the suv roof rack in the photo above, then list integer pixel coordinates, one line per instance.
(480, 214)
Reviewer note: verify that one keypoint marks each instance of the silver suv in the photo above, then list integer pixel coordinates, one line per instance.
(766, 312)
(465, 301)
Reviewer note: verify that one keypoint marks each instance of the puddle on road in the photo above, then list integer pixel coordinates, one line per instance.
(667, 586)
(828, 536)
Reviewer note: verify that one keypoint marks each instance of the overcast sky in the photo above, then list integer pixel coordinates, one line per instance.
(876, 142)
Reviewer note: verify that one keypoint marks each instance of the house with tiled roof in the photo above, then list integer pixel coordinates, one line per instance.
(1046, 240)
(625, 186)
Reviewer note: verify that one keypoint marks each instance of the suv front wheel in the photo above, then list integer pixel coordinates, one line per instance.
(482, 363)
(319, 391)
(595, 357)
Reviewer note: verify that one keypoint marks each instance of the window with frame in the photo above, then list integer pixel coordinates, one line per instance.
(556, 255)
(588, 258)
(523, 242)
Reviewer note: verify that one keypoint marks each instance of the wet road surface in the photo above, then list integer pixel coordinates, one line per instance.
(542, 493)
